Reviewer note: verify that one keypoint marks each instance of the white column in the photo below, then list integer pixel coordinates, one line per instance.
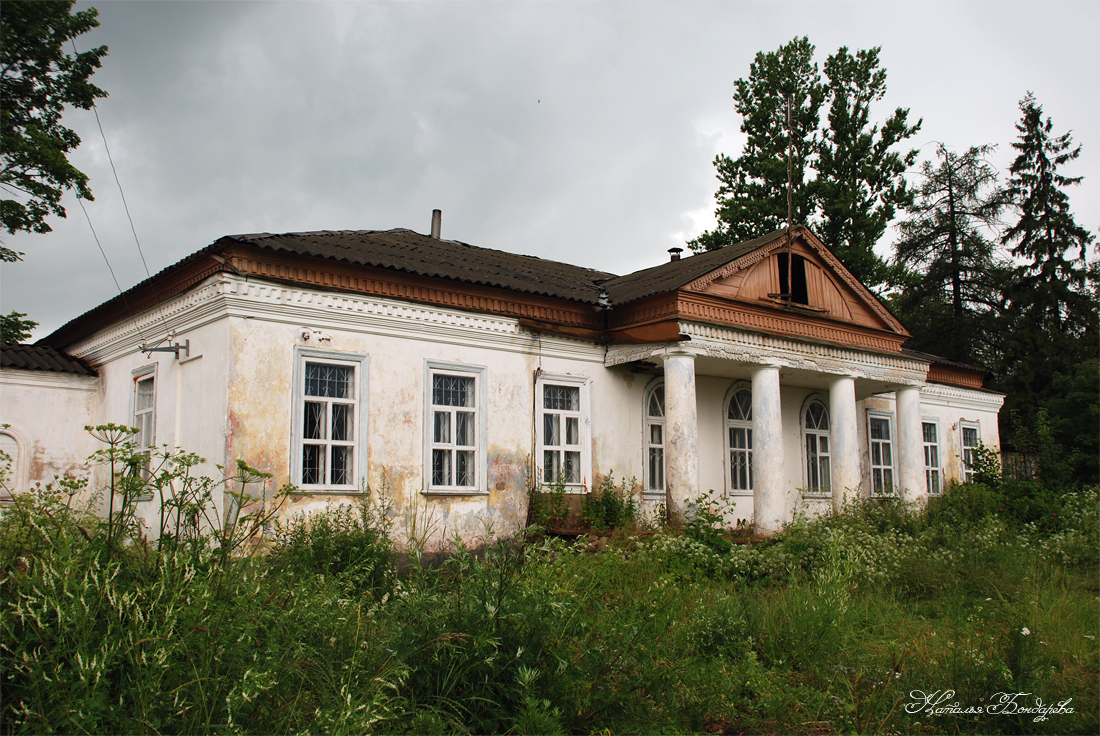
(844, 432)
(771, 505)
(682, 427)
(911, 486)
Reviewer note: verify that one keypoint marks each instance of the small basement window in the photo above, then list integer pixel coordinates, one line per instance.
(799, 293)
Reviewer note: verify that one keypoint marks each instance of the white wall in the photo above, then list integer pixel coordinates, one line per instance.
(46, 412)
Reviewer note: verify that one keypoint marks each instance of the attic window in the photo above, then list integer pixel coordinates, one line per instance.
(799, 295)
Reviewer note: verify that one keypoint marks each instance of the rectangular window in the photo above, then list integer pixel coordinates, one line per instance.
(454, 431)
(970, 441)
(880, 434)
(455, 443)
(818, 473)
(328, 422)
(145, 411)
(563, 431)
(933, 480)
(740, 458)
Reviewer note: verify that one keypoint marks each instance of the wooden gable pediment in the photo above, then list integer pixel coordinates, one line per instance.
(820, 284)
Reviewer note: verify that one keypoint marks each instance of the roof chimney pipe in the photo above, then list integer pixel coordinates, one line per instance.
(674, 253)
(437, 223)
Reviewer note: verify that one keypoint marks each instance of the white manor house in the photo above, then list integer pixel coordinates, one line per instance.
(466, 375)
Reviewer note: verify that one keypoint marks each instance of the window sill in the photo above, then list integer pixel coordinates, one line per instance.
(349, 491)
(458, 492)
(817, 495)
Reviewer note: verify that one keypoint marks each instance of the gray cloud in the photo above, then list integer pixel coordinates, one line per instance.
(582, 132)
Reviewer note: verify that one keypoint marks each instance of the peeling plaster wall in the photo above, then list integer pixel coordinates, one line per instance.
(262, 399)
(47, 412)
(190, 402)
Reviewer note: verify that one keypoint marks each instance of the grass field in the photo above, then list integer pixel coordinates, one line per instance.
(879, 620)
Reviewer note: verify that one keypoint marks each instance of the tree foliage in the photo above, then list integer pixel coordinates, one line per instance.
(752, 196)
(847, 178)
(13, 328)
(1050, 328)
(38, 78)
(860, 181)
(952, 280)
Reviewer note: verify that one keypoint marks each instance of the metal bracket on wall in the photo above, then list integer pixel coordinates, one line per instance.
(185, 348)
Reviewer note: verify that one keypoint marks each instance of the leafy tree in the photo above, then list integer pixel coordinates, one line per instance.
(38, 78)
(752, 196)
(13, 328)
(1051, 322)
(858, 178)
(946, 256)
(861, 180)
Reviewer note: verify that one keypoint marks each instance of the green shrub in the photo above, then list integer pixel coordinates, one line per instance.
(349, 543)
(548, 507)
(610, 506)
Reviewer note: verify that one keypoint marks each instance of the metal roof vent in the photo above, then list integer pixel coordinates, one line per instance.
(674, 253)
(437, 223)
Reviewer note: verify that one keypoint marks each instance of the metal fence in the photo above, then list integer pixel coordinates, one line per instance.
(1020, 465)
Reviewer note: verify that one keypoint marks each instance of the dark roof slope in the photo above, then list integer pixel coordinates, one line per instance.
(929, 357)
(410, 252)
(675, 274)
(41, 358)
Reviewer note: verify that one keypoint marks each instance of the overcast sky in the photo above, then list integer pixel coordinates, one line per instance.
(578, 131)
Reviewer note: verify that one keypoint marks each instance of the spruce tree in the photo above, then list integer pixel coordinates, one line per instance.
(861, 180)
(1051, 322)
(947, 257)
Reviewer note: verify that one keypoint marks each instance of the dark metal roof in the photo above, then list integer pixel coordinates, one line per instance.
(929, 357)
(676, 274)
(410, 252)
(41, 358)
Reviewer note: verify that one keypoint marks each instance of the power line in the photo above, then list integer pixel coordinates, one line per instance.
(125, 206)
(106, 260)
(133, 229)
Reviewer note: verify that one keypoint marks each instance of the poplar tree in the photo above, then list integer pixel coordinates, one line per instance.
(861, 179)
(752, 194)
(846, 178)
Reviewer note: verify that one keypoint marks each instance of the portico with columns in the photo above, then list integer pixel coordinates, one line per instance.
(783, 375)
(839, 410)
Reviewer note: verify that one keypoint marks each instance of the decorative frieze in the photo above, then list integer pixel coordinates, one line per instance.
(228, 295)
(936, 394)
(756, 349)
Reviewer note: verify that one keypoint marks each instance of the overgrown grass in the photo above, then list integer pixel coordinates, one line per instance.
(829, 628)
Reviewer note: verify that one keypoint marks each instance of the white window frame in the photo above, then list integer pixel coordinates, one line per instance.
(360, 362)
(727, 425)
(891, 489)
(930, 467)
(966, 456)
(583, 383)
(647, 442)
(481, 459)
(137, 376)
(808, 490)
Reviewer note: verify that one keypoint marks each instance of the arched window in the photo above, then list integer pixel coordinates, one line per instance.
(739, 440)
(13, 468)
(655, 439)
(815, 429)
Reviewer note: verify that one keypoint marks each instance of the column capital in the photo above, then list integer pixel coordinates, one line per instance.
(680, 351)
